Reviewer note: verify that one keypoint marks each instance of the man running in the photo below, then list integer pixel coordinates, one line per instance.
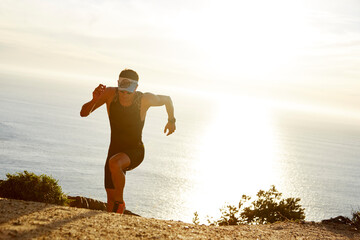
(126, 109)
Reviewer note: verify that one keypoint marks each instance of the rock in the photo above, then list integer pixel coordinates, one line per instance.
(89, 203)
(127, 212)
(96, 205)
(339, 220)
(278, 228)
(17, 223)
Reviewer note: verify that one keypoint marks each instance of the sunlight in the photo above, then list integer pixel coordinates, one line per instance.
(257, 35)
(236, 154)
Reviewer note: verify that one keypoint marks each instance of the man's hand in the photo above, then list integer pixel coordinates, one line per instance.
(170, 127)
(98, 91)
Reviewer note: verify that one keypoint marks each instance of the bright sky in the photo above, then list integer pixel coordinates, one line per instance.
(298, 51)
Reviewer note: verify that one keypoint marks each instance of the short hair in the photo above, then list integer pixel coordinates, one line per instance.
(128, 73)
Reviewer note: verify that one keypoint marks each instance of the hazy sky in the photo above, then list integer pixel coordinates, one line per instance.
(296, 51)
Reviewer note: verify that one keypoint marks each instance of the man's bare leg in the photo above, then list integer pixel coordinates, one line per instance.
(110, 199)
(117, 164)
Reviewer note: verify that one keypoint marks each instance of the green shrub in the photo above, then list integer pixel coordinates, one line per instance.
(267, 208)
(31, 187)
(270, 208)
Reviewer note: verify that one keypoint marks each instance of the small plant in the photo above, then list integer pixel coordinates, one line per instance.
(229, 216)
(196, 219)
(267, 208)
(356, 219)
(31, 187)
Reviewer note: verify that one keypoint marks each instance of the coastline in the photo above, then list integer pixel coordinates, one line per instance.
(33, 220)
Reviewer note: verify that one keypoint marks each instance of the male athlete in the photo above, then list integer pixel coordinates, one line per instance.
(126, 109)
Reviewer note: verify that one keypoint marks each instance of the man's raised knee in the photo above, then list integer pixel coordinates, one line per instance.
(119, 161)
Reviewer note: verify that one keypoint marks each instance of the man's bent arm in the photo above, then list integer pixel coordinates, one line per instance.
(160, 100)
(100, 95)
(87, 108)
(169, 106)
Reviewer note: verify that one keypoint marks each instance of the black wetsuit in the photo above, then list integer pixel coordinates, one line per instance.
(126, 133)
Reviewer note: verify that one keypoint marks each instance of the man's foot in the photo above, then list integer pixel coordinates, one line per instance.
(119, 207)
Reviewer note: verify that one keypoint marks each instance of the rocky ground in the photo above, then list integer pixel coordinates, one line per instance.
(33, 220)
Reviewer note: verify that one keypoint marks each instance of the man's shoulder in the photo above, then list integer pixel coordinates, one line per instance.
(109, 93)
(148, 95)
(110, 90)
(147, 98)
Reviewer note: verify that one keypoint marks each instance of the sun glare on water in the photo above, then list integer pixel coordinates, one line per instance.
(236, 154)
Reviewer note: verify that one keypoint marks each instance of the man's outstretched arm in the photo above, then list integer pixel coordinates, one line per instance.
(152, 100)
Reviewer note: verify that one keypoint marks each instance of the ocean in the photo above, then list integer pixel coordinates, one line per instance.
(224, 147)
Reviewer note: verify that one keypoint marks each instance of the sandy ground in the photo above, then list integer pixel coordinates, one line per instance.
(32, 220)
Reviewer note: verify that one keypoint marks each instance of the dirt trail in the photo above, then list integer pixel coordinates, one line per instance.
(32, 220)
